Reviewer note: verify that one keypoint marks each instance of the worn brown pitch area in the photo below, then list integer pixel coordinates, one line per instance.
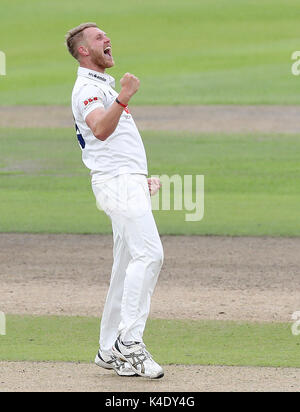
(197, 119)
(202, 278)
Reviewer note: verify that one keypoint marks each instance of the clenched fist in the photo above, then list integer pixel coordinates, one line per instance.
(130, 85)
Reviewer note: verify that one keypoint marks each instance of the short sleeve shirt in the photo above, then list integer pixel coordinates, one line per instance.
(123, 151)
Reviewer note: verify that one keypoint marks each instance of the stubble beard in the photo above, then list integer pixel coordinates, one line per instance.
(99, 60)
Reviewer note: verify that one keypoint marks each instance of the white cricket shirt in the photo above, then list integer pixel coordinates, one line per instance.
(123, 151)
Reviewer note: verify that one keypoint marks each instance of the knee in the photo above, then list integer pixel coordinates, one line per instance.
(161, 256)
(151, 255)
(157, 256)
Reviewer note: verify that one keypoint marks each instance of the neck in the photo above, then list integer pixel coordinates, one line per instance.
(92, 66)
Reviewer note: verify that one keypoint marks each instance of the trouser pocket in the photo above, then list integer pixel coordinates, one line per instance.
(127, 195)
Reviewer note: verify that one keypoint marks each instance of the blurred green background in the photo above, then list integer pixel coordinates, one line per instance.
(251, 183)
(185, 52)
(202, 342)
(191, 52)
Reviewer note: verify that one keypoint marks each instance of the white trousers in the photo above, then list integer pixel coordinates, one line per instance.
(137, 254)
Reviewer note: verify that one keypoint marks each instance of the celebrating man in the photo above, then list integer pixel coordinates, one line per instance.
(113, 150)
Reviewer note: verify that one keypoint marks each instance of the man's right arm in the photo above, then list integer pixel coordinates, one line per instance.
(104, 122)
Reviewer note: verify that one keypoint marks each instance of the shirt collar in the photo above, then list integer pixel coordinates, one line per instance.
(97, 76)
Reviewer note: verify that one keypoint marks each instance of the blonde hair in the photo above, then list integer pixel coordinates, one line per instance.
(74, 36)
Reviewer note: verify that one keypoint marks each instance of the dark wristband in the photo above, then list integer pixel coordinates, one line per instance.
(121, 104)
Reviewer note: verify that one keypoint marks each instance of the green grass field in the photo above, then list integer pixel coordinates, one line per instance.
(191, 52)
(251, 183)
(184, 52)
(75, 339)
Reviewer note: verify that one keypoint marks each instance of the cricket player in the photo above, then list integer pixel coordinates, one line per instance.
(113, 150)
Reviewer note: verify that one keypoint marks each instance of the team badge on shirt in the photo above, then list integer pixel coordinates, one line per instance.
(90, 100)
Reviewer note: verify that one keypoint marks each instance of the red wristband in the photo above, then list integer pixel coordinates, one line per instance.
(121, 104)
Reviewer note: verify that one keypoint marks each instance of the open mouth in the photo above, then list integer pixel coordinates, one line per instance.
(107, 51)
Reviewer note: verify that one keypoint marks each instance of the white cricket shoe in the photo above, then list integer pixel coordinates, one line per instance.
(112, 362)
(139, 359)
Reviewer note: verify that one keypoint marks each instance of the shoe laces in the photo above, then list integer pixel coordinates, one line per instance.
(144, 351)
(140, 347)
